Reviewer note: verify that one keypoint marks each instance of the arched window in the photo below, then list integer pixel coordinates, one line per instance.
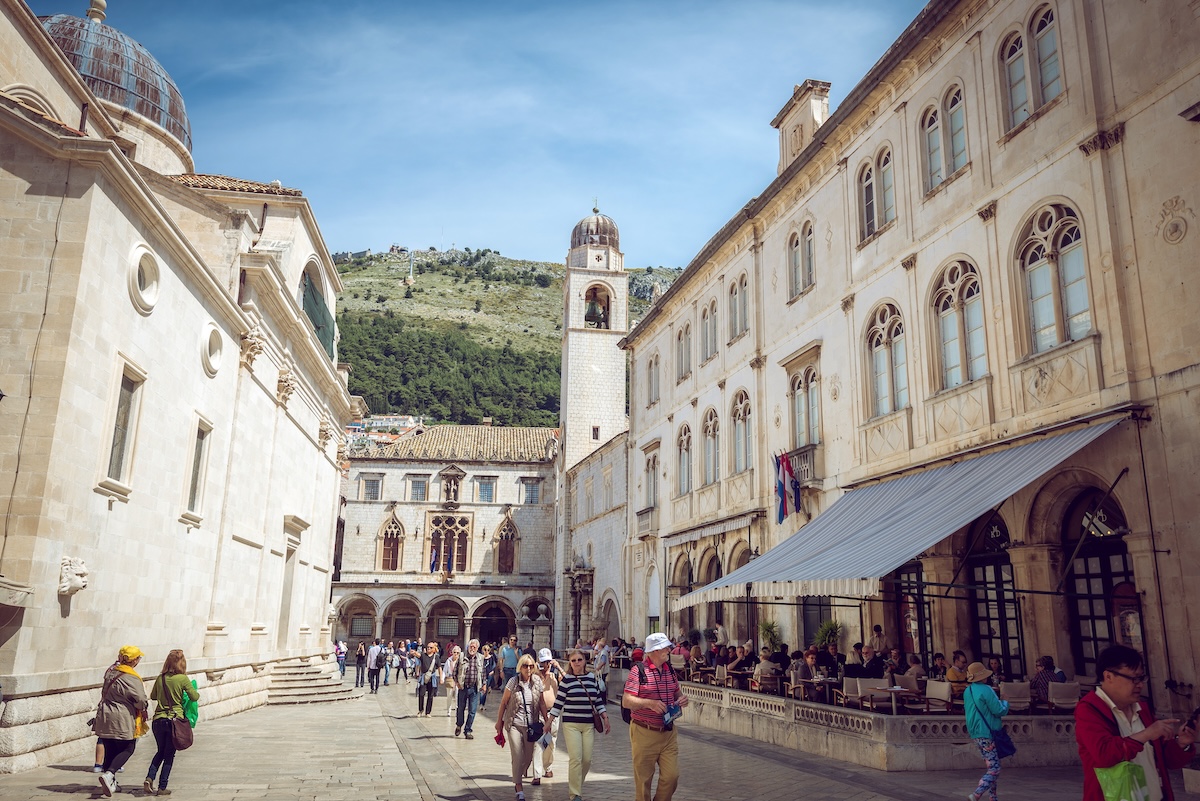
(704, 346)
(958, 303)
(876, 194)
(393, 540)
(1012, 56)
(506, 548)
(806, 408)
(652, 380)
(712, 447)
(808, 255)
(1045, 37)
(887, 188)
(652, 480)
(685, 460)
(734, 306)
(956, 129)
(866, 201)
(683, 352)
(744, 311)
(713, 331)
(448, 541)
(888, 358)
(795, 268)
(931, 131)
(741, 431)
(1056, 277)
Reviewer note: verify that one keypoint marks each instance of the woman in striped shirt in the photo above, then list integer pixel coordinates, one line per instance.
(578, 697)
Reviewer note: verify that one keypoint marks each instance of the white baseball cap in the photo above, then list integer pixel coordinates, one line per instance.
(656, 642)
(545, 655)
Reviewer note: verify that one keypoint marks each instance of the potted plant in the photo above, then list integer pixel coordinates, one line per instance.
(768, 632)
(829, 632)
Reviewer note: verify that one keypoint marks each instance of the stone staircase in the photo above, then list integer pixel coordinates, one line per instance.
(299, 681)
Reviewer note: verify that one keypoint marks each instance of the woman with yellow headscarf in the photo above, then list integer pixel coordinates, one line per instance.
(121, 716)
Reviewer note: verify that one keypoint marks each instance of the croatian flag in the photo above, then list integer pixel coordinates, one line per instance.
(793, 484)
(781, 491)
(433, 562)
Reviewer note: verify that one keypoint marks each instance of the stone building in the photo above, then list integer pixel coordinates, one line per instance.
(449, 534)
(171, 398)
(980, 263)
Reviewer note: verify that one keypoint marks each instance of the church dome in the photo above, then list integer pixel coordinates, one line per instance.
(121, 71)
(598, 229)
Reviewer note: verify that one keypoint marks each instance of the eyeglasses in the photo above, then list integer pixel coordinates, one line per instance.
(576, 660)
(1138, 679)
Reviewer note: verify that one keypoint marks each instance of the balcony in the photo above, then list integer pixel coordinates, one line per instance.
(808, 463)
(647, 521)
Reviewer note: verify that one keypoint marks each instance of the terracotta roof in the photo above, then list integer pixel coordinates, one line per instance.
(30, 110)
(468, 444)
(222, 182)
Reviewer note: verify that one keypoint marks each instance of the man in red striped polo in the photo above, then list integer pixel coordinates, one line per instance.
(652, 738)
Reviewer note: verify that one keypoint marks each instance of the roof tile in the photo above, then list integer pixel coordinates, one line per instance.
(468, 444)
(227, 184)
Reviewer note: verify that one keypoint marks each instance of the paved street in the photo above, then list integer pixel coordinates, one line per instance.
(375, 748)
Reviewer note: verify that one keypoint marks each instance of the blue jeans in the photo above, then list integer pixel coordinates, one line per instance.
(509, 672)
(468, 705)
(360, 675)
(387, 672)
(342, 664)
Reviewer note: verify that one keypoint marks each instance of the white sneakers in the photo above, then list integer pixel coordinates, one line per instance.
(108, 783)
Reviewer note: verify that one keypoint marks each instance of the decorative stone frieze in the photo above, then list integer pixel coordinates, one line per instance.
(72, 576)
(252, 345)
(987, 213)
(1103, 140)
(285, 386)
(1172, 220)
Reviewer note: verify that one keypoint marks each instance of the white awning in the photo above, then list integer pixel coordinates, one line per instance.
(869, 532)
(710, 529)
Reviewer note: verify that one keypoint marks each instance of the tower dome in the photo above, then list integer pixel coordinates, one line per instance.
(119, 70)
(597, 229)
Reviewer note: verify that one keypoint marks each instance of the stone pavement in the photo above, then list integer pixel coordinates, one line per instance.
(375, 748)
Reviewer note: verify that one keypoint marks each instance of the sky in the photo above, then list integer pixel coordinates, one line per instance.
(498, 125)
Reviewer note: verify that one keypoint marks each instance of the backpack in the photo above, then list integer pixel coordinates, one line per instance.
(626, 712)
(380, 659)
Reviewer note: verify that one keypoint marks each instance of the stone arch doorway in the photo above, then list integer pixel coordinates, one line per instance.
(1102, 601)
(402, 620)
(710, 571)
(745, 615)
(356, 621)
(610, 620)
(493, 622)
(995, 608)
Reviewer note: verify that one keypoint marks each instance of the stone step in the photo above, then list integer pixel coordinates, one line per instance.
(313, 696)
(306, 683)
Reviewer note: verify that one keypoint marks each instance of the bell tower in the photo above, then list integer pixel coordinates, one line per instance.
(595, 319)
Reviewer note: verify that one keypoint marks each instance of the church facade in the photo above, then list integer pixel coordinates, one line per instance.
(172, 400)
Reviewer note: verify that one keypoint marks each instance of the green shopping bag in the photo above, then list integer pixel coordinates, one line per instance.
(1124, 781)
(191, 709)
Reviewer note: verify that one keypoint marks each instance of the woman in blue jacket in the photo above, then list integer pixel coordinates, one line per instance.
(983, 710)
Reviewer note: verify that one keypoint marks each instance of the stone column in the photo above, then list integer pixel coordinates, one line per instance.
(951, 617)
(467, 631)
(1044, 618)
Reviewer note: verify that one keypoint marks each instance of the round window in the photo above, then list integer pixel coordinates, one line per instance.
(210, 351)
(143, 280)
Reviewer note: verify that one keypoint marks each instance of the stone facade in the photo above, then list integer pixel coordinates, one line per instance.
(150, 328)
(983, 243)
(449, 534)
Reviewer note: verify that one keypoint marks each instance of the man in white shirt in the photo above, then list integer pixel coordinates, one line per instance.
(374, 665)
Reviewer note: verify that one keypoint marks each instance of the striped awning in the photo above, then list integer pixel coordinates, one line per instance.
(719, 527)
(869, 532)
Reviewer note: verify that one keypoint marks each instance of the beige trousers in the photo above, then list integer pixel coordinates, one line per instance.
(578, 738)
(654, 749)
(521, 751)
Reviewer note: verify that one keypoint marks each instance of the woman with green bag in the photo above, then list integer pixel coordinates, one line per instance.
(1113, 727)
(172, 690)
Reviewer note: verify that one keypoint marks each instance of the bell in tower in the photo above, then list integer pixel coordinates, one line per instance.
(595, 314)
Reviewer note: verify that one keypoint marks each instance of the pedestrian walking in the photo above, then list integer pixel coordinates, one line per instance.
(543, 755)
(654, 698)
(577, 704)
(169, 691)
(430, 668)
(1112, 725)
(509, 654)
(339, 650)
(388, 650)
(983, 711)
(522, 719)
(489, 669)
(121, 716)
(450, 676)
(375, 661)
(360, 665)
(471, 679)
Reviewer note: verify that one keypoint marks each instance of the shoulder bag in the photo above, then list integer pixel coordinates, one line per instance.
(181, 730)
(597, 715)
(536, 729)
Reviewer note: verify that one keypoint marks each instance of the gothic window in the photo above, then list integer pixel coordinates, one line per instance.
(944, 139)
(711, 331)
(712, 447)
(1045, 37)
(684, 444)
(956, 130)
(506, 550)
(734, 306)
(806, 408)
(958, 304)
(1041, 60)
(795, 280)
(683, 352)
(808, 255)
(931, 132)
(876, 194)
(652, 480)
(1012, 56)
(741, 432)
(449, 539)
(744, 307)
(888, 357)
(393, 539)
(1052, 257)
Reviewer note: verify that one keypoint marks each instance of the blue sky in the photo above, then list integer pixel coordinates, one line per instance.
(496, 124)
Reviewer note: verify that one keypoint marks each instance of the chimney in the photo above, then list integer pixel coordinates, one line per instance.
(487, 421)
(799, 119)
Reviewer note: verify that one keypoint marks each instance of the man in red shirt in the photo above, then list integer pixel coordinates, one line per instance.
(652, 739)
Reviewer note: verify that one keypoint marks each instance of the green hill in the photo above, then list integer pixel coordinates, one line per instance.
(474, 334)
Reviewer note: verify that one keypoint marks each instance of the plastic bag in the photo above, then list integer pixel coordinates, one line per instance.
(1124, 781)
(141, 726)
(191, 709)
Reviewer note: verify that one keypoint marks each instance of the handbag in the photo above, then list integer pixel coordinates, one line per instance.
(597, 716)
(1004, 744)
(181, 729)
(536, 728)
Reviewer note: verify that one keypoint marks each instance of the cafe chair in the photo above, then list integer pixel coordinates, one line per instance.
(939, 697)
(849, 694)
(679, 664)
(873, 700)
(1017, 695)
(1062, 696)
(721, 676)
(767, 683)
